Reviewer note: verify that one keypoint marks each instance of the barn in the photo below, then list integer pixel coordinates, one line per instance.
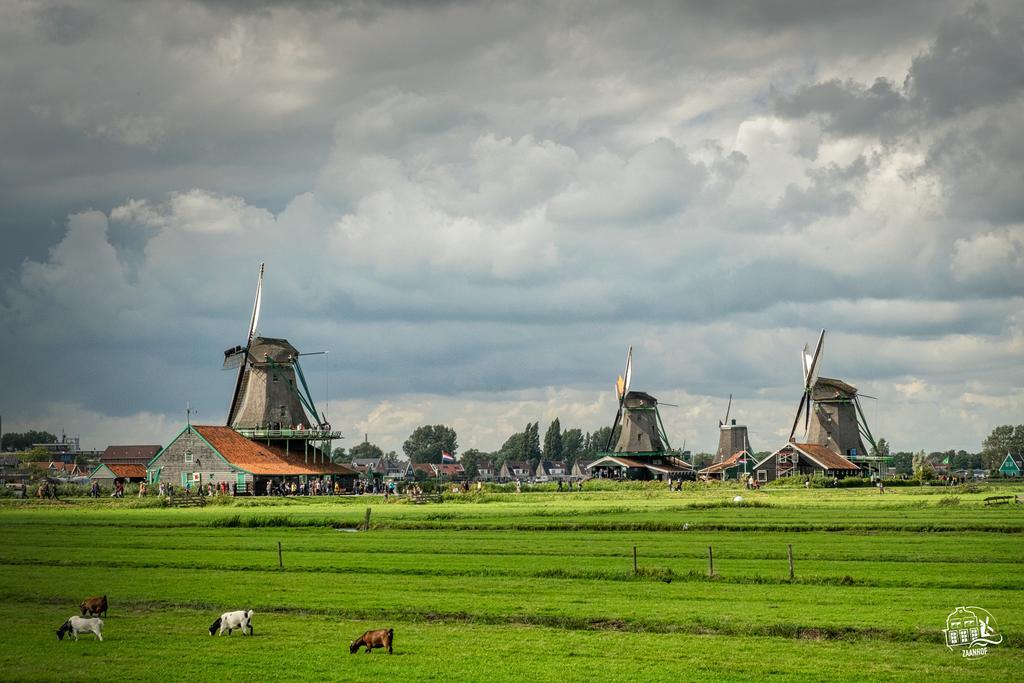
(804, 459)
(208, 454)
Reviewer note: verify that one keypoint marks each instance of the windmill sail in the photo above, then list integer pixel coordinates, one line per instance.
(238, 356)
(628, 374)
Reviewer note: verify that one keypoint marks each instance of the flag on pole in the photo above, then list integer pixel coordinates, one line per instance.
(447, 458)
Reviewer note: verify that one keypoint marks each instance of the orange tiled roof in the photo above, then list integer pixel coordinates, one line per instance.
(828, 458)
(259, 458)
(731, 461)
(128, 471)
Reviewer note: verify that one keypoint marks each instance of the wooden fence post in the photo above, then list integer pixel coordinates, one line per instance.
(711, 563)
(280, 558)
(634, 560)
(366, 524)
(789, 550)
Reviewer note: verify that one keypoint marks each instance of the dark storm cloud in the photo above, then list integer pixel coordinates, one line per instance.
(848, 108)
(976, 60)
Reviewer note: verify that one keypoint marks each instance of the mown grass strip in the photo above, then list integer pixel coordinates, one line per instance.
(698, 626)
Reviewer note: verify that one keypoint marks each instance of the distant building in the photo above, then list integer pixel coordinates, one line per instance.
(452, 472)
(107, 475)
(487, 471)
(394, 470)
(804, 459)
(581, 468)
(1012, 466)
(552, 470)
(129, 455)
(515, 470)
(733, 467)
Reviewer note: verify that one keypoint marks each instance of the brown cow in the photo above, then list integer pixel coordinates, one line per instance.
(94, 606)
(380, 638)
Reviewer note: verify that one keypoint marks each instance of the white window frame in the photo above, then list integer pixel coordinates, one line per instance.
(762, 475)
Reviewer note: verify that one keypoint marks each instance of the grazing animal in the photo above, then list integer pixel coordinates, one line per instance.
(383, 637)
(94, 607)
(76, 625)
(229, 621)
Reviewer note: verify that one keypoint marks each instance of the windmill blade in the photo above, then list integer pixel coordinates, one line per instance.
(611, 434)
(620, 388)
(628, 374)
(796, 420)
(812, 363)
(873, 398)
(727, 409)
(254, 321)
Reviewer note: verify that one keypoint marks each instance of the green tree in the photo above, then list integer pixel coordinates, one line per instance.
(531, 444)
(572, 445)
(37, 454)
(553, 441)
(599, 440)
(23, 441)
(1003, 439)
(426, 443)
(513, 448)
(880, 449)
(338, 454)
(903, 463)
(366, 450)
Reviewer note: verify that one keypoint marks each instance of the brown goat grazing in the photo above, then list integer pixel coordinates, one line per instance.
(380, 638)
(94, 606)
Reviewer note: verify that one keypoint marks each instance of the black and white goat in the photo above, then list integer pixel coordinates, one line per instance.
(76, 625)
(229, 621)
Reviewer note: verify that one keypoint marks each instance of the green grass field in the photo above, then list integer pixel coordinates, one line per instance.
(538, 586)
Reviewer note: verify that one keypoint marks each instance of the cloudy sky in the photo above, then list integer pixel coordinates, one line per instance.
(477, 207)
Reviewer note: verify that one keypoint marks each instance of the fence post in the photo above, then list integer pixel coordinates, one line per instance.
(280, 558)
(366, 524)
(789, 550)
(634, 560)
(711, 563)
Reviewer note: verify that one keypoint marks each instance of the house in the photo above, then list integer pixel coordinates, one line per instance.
(804, 459)
(394, 470)
(202, 454)
(450, 471)
(515, 470)
(1012, 466)
(366, 467)
(129, 455)
(733, 467)
(58, 469)
(548, 470)
(486, 470)
(581, 468)
(106, 475)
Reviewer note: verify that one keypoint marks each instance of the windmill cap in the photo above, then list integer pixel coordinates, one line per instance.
(279, 350)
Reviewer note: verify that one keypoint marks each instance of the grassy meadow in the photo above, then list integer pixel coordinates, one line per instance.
(535, 586)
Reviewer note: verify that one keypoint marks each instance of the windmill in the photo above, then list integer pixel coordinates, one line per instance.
(642, 450)
(831, 410)
(267, 390)
(641, 428)
(732, 438)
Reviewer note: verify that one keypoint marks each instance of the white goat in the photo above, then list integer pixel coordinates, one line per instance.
(229, 621)
(76, 625)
